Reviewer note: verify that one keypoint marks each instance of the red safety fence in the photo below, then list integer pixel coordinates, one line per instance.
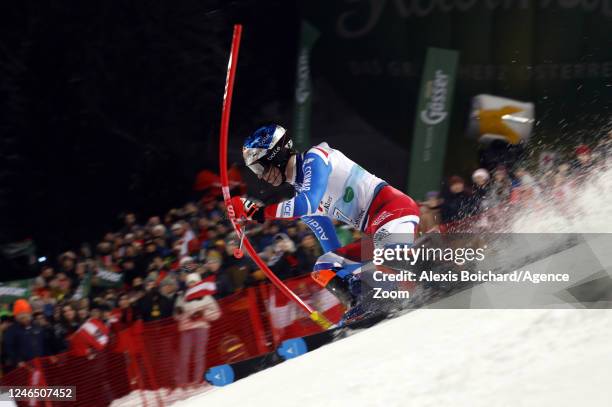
(154, 356)
(158, 355)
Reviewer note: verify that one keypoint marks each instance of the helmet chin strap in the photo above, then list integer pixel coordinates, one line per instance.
(272, 175)
(286, 170)
(289, 171)
(282, 175)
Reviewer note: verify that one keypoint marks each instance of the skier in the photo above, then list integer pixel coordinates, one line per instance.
(328, 186)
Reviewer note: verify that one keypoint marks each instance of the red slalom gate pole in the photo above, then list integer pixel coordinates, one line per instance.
(315, 316)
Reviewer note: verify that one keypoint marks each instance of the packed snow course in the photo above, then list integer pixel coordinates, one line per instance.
(459, 357)
(443, 358)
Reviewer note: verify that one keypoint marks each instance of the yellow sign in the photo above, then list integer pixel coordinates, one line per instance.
(492, 122)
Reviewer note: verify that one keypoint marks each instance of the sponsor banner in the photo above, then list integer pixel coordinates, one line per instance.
(107, 278)
(370, 55)
(303, 87)
(375, 13)
(13, 290)
(432, 121)
(495, 117)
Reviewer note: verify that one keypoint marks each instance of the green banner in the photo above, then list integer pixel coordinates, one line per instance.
(13, 290)
(107, 278)
(303, 88)
(84, 287)
(368, 61)
(432, 121)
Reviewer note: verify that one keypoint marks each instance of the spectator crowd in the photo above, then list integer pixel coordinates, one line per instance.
(147, 271)
(552, 183)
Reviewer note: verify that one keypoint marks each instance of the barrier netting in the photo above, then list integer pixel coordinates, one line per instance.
(142, 362)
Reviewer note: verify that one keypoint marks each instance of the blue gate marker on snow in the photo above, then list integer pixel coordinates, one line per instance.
(292, 348)
(220, 375)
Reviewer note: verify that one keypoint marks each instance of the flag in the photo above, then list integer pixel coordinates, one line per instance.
(84, 287)
(290, 321)
(495, 117)
(92, 334)
(208, 286)
(108, 278)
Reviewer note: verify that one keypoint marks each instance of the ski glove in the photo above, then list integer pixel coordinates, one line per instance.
(247, 210)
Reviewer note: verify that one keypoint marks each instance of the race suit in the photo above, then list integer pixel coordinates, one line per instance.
(331, 186)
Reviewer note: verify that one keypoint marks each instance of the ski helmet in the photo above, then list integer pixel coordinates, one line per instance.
(269, 146)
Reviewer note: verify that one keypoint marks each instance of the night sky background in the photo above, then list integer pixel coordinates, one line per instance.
(114, 106)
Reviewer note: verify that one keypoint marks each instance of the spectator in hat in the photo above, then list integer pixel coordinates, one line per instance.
(500, 188)
(6, 320)
(457, 200)
(163, 247)
(236, 268)
(25, 339)
(480, 189)
(527, 188)
(40, 289)
(283, 261)
(104, 253)
(292, 232)
(583, 161)
(212, 268)
(190, 213)
(187, 262)
(158, 265)
(47, 273)
(60, 287)
(83, 312)
(123, 316)
(129, 268)
(168, 288)
(308, 252)
(86, 348)
(67, 266)
(202, 226)
(127, 344)
(154, 305)
(161, 334)
(153, 221)
(42, 321)
(194, 312)
(430, 212)
(129, 223)
(67, 325)
(150, 281)
(159, 231)
(185, 239)
(150, 251)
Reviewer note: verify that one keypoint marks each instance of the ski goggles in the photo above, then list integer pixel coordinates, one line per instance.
(257, 168)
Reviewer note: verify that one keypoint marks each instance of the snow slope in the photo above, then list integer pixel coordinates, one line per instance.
(446, 357)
